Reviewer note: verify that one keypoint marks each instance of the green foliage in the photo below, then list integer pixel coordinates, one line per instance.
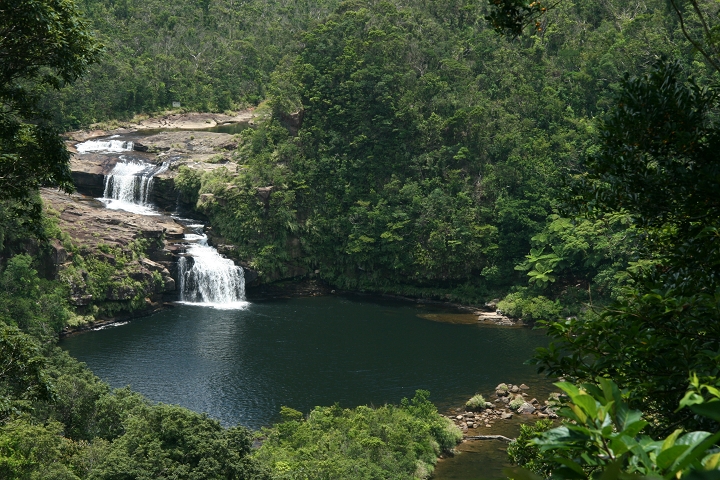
(29, 451)
(477, 402)
(22, 376)
(173, 442)
(43, 43)
(187, 182)
(107, 281)
(516, 402)
(393, 163)
(207, 55)
(655, 162)
(385, 442)
(35, 305)
(510, 17)
(521, 304)
(602, 438)
(525, 452)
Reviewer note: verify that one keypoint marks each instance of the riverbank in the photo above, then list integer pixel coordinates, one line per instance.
(171, 120)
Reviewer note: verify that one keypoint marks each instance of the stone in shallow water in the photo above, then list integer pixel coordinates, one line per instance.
(526, 408)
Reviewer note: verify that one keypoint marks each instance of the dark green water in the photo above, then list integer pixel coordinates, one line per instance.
(240, 366)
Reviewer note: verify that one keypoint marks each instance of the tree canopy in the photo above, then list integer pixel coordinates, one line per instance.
(43, 44)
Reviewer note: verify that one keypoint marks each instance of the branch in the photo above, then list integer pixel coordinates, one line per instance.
(695, 44)
(490, 437)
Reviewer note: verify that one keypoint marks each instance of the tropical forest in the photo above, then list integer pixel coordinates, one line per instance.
(359, 239)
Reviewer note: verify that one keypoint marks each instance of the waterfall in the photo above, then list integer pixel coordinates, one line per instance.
(105, 146)
(211, 280)
(128, 186)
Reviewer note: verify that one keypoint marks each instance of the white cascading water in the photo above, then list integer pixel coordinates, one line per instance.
(104, 146)
(211, 280)
(128, 186)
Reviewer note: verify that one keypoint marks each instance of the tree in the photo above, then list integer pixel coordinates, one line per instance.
(22, 377)
(43, 44)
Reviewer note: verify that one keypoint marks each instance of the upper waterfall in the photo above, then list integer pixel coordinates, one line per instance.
(105, 146)
(128, 186)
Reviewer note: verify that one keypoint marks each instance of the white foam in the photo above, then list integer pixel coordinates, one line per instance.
(129, 184)
(104, 146)
(212, 280)
(241, 305)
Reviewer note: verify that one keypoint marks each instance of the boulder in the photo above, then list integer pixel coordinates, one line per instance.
(526, 408)
(153, 266)
(169, 284)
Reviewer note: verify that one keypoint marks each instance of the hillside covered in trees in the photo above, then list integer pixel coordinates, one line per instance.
(561, 158)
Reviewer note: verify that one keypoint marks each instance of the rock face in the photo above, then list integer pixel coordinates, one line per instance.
(201, 151)
(111, 274)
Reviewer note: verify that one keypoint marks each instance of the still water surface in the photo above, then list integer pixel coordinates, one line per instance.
(240, 366)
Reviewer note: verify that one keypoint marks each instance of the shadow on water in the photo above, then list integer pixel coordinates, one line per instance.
(240, 366)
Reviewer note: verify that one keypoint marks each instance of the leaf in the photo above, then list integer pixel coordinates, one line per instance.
(574, 467)
(709, 410)
(568, 388)
(670, 439)
(588, 405)
(519, 473)
(612, 471)
(711, 461)
(669, 455)
(634, 428)
(698, 450)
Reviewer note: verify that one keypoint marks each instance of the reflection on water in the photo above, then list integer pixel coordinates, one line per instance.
(240, 366)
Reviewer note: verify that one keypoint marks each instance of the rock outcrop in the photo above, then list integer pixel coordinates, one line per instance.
(201, 151)
(127, 260)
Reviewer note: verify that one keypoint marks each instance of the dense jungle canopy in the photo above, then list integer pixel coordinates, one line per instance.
(561, 158)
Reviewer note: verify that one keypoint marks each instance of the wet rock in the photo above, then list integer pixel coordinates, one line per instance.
(502, 389)
(168, 284)
(163, 255)
(526, 408)
(153, 266)
(506, 416)
(514, 389)
(492, 304)
(524, 387)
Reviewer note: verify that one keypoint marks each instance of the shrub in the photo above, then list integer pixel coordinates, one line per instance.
(477, 402)
(399, 442)
(516, 402)
(523, 451)
(518, 305)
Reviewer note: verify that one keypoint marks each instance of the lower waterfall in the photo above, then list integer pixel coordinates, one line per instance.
(209, 279)
(128, 185)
